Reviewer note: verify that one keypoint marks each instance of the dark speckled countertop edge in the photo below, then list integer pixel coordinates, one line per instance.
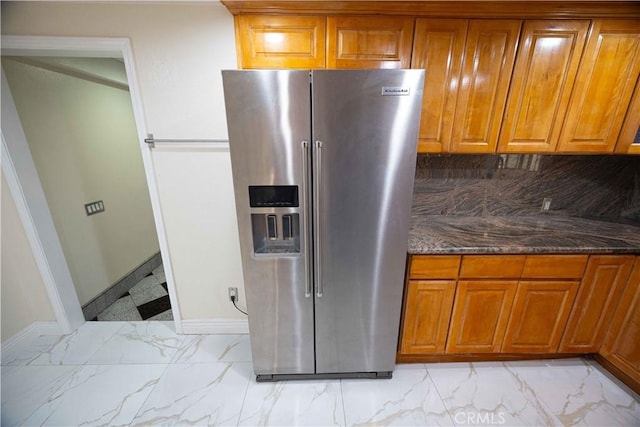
(435, 234)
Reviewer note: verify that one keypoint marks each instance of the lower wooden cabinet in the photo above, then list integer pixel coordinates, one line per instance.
(480, 314)
(599, 293)
(621, 347)
(426, 319)
(539, 315)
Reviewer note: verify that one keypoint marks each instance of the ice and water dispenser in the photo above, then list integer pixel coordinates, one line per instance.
(275, 219)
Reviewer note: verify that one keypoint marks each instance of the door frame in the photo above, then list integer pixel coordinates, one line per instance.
(26, 189)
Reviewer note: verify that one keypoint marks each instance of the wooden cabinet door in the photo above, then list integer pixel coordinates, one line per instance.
(543, 76)
(486, 71)
(602, 92)
(438, 49)
(539, 316)
(280, 41)
(598, 295)
(480, 312)
(369, 41)
(426, 316)
(629, 139)
(622, 344)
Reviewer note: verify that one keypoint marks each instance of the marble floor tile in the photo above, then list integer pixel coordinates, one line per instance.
(29, 349)
(99, 395)
(197, 394)
(408, 399)
(26, 388)
(158, 272)
(140, 342)
(485, 393)
(77, 347)
(123, 309)
(578, 393)
(293, 403)
(214, 348)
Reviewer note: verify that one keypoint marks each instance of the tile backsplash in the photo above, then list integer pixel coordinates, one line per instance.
(597, 187)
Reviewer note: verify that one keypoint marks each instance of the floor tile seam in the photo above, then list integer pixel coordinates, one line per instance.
(244, 398)
(149, 394)
(439, 393)
(104, 342)
(344, 407)
(538, 396)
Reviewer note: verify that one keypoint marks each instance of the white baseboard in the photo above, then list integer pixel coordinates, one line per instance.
(215, 326)
(32, 331)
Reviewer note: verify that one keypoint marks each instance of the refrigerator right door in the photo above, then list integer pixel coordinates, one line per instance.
(365, 132)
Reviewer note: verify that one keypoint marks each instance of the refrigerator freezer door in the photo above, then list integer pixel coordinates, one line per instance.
(268, 115)
(365, 130)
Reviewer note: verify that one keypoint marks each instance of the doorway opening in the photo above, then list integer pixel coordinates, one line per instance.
(63, 152)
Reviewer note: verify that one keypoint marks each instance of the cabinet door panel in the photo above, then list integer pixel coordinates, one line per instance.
(480, 313)
(369, 42)
(621, 344)
(426, 317)
(629, 139)
(488, 62)
(438, 48)
(598, 295)
(539, 316)
(280, 41)
(544, 74)
(606, 79)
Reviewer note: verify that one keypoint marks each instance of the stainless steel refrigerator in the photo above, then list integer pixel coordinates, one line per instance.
(323, 166)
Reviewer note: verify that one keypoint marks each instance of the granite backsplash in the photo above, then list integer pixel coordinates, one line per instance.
(596, 187)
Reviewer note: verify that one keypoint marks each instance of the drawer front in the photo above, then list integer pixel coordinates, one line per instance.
(434, 266)
(554, 266)
(491, 266)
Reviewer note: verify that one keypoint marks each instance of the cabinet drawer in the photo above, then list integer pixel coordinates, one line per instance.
(434, 266)
(491, 266)
(554, 266)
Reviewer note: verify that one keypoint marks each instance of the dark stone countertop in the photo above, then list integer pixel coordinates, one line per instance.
(439, 234)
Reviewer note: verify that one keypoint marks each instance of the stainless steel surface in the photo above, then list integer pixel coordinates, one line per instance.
(316, 221)
(368, 165)
(356, 183)
(268, 116)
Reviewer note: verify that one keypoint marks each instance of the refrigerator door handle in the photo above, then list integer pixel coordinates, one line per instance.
(316, 218)
(305, 200)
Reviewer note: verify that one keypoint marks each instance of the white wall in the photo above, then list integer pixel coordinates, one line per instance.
(82, 137)
(179, 50)
(24, 298)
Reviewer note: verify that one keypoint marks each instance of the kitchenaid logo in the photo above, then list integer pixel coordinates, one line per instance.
(395, 91)
(475, 418)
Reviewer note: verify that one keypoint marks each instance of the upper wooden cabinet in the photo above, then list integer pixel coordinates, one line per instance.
(487, 64)
(604, 86)
(369, 41)
(280, 41)
(543, 77)
(629, 140)
(438, 48)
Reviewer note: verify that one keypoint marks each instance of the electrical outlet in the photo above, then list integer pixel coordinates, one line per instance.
(233, 294)
(546, 204)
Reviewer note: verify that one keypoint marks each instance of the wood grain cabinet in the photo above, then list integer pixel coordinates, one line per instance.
(428, 302)
(539, 315)
(599, 293)
(604, 85)
(487, 64)
(544, 73)
(369, 41)
(621, 347)
(280, 41)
